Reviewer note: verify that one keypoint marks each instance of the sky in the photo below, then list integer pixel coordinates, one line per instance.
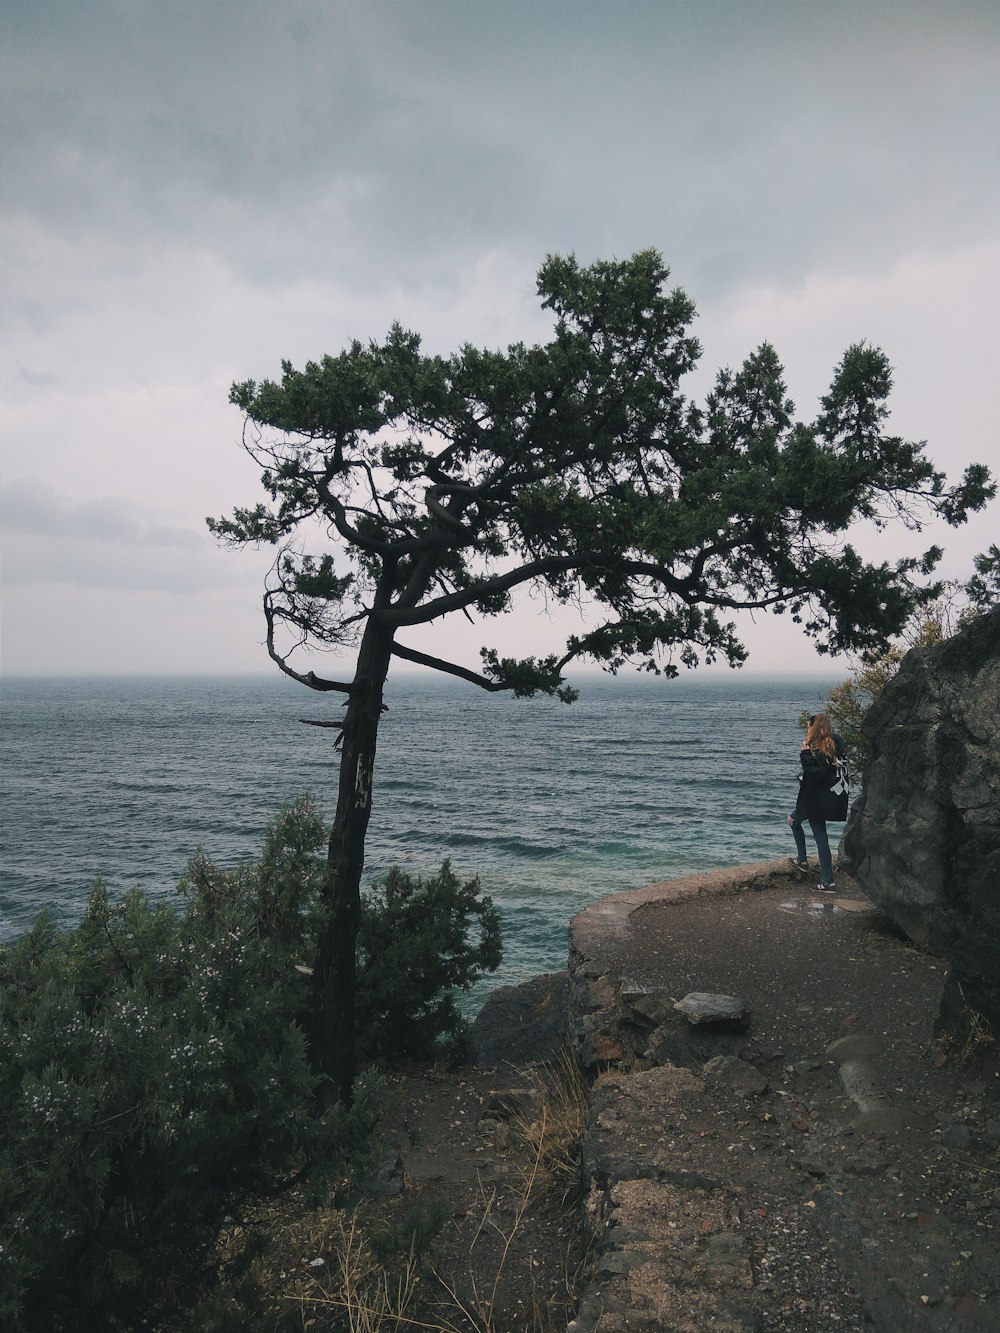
(192, 191)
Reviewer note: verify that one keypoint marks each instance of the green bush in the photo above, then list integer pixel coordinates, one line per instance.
(155, 1078)
(419, 942)
(153, 1075)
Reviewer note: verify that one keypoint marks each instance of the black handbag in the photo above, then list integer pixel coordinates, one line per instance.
(837, 797)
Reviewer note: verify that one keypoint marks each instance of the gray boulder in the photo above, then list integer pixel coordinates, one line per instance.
(702, 1007)
(923, 841)
(524, 1023)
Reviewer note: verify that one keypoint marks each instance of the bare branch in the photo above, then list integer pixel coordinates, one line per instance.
(308, 678)
(561, 564)
(449, 668)
(338, 511)
(386, 549)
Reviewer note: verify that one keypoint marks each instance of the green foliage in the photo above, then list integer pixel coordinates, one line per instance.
(413, 1236)
(577, 468)
(849, 701)
(983, 588)
(528, 676)
(420, 941)
(933, 622)
(153, 1074)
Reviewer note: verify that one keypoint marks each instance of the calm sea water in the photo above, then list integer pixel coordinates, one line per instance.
(552, 806)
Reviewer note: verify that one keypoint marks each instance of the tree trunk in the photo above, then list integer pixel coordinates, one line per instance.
(332, 1037)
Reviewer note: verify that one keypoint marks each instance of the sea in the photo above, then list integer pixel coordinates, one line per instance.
(552, 806)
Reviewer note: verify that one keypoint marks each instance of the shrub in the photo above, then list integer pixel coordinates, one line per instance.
(420, 941)
(848, 703)
(932, 622)
(153, 1075)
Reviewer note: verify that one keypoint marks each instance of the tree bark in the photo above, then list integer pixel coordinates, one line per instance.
(332, 1035)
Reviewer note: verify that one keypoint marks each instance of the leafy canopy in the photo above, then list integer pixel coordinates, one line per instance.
(579, 468)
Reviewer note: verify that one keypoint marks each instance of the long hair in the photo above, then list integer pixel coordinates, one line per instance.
(820, 737)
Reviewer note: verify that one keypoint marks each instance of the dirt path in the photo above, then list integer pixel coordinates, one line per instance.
(859, 1158)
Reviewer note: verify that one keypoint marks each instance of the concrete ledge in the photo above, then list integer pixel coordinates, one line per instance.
(591, 929)
(610, 1012)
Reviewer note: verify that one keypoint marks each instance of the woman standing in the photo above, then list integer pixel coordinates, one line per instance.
(819, 756)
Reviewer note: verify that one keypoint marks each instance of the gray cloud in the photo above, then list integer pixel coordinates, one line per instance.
(381, 142)
(193, 190)
(102, 543)
(27, 505)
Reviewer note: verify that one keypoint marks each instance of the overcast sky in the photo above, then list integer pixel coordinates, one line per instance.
(193, 190)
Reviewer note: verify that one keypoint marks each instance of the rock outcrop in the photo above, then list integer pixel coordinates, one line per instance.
(923, 841)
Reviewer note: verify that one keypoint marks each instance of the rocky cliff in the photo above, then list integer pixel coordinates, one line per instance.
(924, 839)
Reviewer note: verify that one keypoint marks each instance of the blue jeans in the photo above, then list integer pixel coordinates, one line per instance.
(818, 827)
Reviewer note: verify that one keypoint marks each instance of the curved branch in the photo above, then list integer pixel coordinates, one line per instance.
(338, 513)
(553, 564)
(459, 535)
(308, 678)
(445, 516)
(449, 668)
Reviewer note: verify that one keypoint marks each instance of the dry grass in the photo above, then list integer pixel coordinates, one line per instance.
(480, 1309)
(354, 1286)
(979, 1035)
(550, 1174)
(358, 1271)
(551, 1138)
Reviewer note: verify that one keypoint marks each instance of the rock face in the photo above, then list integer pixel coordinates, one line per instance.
(924, 839)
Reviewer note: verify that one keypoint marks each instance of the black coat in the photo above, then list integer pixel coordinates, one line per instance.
(819, 772)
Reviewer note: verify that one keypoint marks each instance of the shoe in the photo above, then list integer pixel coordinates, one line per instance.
(826, 888)
(799, 865)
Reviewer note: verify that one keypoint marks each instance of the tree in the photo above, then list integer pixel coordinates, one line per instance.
(848, 702)
(577, 467)
(983, 588)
